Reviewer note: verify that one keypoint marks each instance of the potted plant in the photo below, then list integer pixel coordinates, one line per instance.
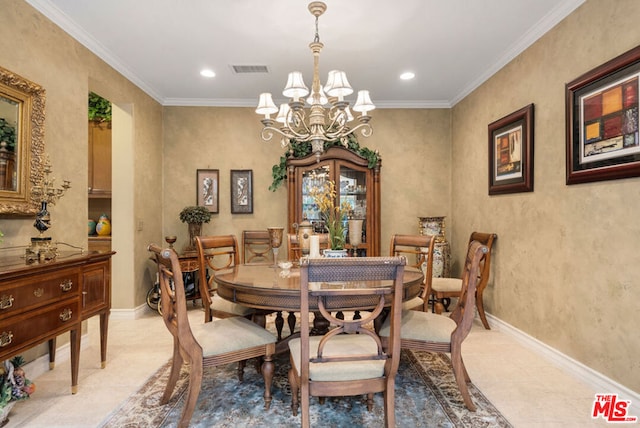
(14, 386)
(194, 216)
(8, 134)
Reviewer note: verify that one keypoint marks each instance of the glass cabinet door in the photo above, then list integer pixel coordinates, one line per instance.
(313, 179)
(353, 191)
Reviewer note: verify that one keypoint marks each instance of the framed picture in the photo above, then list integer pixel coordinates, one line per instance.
(511, 153)
(241, 191)
(207, 187)
(602, 121)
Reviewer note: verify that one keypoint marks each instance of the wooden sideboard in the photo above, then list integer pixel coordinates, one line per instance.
(40, 301)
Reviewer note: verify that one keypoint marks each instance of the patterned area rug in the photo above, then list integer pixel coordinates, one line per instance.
(426, 396)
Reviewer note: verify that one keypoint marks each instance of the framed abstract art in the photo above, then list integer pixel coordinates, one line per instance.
(602, 121)
(511, 153)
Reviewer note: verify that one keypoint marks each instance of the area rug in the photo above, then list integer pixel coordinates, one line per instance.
(426, 396)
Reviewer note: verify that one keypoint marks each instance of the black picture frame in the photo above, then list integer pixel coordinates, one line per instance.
(241, 191)
(602, 121)
(207, 188)
(511, 152)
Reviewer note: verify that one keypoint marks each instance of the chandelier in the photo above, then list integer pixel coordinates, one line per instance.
(328, 114)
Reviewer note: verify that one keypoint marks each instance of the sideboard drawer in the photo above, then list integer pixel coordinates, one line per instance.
(19, 295)
(24, 331)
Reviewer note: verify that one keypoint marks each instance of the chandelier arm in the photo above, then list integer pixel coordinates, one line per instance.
(365, 129)
(268, 132)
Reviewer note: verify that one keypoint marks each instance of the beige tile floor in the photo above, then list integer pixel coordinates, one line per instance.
(529, 390)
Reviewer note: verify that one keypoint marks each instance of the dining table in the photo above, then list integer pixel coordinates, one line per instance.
(274, 289)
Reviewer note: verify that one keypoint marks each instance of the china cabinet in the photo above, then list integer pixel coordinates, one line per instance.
(99, 160)
(356, 184)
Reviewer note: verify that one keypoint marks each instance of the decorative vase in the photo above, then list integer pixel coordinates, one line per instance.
(103, 227)
(334, 254)
(195, 229)
(441, 251)
(355, 235)
(92, 227)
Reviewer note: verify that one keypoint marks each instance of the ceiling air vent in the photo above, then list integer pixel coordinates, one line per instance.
(250, 69)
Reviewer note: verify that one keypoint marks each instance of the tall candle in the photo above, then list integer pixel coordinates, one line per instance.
(314, 246)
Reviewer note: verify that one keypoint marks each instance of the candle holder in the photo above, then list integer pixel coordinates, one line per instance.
(44, 191)
(275, 240)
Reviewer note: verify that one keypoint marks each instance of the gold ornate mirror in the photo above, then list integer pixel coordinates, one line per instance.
(21, 142)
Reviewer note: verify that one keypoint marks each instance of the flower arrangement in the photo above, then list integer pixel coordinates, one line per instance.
(195, 214)
(14, 385)
(333, 216)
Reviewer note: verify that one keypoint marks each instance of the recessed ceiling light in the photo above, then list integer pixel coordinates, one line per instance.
(407, 75)
(207, 73)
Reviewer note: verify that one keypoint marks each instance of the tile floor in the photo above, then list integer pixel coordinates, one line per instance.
(529, 390)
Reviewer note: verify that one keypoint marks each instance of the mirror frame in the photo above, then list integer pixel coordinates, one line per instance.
(30, 148)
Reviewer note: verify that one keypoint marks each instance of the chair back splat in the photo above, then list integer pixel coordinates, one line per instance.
(418, 249)
(256, 247)
(205, 345)
(216, 253)
(355, 362)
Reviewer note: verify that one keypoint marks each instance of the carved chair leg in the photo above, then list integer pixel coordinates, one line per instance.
(459, 372)
(241, 366)
(293, 383)
(195, 383)
(480, 306)
(370, 401)
(268, 369)
(176, 365)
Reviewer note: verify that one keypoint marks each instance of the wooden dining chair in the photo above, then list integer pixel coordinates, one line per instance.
(338, 364)
(426, 331)
(443, 289)
(216, 253)
(418, 250)
(256, 247)
(205, 345)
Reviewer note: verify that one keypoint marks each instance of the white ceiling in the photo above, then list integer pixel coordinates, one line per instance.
(451, 45)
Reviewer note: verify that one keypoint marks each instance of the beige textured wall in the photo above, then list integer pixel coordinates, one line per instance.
(566, 261)
(415, 180)
(35, 48)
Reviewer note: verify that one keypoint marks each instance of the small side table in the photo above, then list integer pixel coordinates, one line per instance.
(189, 266)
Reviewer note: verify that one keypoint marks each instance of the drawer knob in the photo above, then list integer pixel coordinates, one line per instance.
(5, 338)
(66, 315)
(6, 301)
(66, 285)
(38, 292)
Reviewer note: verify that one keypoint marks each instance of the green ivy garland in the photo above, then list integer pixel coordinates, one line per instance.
(299, 150)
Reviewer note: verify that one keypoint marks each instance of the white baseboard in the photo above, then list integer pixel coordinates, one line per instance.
(595, 380)
(129, 314)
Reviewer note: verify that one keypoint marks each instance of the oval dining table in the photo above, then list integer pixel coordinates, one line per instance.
(263, 286)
